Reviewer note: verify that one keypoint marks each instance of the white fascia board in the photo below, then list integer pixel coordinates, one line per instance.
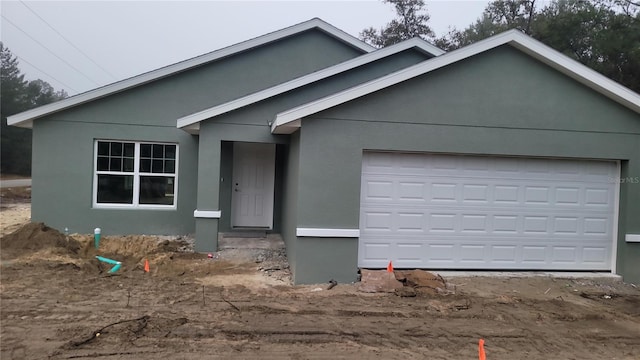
(308, 79)
(427, 46)
(632, 238)
(334, 31)
(514, 38)
(334, 233)
(193, 129)
(25, 119)
(207, 214)
(288, 128)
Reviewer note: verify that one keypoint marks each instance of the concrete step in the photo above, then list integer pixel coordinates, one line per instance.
(268, 241)
(245, 234)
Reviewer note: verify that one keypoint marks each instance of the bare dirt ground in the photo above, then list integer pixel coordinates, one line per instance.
(58, 302)
(15, 208)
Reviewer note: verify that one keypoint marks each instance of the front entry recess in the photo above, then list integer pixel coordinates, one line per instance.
(253, 185)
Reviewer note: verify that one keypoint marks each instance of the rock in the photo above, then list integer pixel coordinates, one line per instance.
(373, 281)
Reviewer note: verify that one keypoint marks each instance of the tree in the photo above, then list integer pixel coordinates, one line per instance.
(17, 95)
(602, 34)
(497, 17)
(411, 22)
(596, 34)
(12, 83)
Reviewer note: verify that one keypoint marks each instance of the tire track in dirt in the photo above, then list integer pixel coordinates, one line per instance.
(49, 304)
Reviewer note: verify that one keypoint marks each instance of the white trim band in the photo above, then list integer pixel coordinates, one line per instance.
(207, 214)
(632, 238)
(315, 232)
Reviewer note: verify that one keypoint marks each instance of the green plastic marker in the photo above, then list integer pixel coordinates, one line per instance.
(96, 237)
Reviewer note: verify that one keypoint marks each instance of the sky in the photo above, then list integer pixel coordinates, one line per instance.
(80, 45)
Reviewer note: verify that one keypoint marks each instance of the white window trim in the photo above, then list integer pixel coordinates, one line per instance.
(136, 178)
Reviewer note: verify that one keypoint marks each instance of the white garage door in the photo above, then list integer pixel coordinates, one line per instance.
(472, 212)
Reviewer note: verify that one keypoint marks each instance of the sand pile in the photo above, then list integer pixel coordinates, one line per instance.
(133, 250)
(37, 237)
(37, 243)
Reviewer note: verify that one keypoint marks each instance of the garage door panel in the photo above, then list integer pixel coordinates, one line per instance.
(595, 255)
(485, 254)
(595, 197)
(450, 211)
(376, 252)
(377, 221)
(596, 226)
(535, 254)
(485, 221)
(497, 192)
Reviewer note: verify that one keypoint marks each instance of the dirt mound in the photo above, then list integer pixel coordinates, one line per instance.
(132, 251)
(420, 278)
(39, 246)
(35, 237)
(37, 243)
(422, 282)
(134, 245)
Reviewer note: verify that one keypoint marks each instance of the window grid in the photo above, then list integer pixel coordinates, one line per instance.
(115, 156)
(157, 158)
(119, 152)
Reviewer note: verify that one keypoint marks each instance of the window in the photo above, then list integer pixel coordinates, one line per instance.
(135, 174)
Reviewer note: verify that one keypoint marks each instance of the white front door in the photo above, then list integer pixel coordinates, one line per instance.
(253, 185)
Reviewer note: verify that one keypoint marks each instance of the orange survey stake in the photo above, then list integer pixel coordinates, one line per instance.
(481, 354)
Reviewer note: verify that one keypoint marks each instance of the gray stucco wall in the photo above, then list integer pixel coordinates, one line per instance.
(290, 201)
(63, 142)
(251, 124)
(264, 112)
(322, 259)
(498, 103)
(63, 180)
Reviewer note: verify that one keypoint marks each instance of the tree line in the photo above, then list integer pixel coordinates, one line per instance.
(18, 95)
(601, 34)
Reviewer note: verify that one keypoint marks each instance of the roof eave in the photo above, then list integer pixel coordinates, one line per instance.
(24, 119)
(579, 72)
(288, 128)
(416, 43)
(515, 38)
